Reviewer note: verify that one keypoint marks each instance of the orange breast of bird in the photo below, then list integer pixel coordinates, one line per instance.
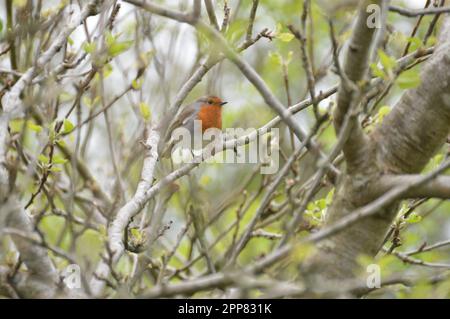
(211, 117)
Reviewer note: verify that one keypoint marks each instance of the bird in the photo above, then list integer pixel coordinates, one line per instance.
(206, 109)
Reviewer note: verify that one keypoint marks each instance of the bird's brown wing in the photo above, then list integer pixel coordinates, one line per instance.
(168, 123)
(187, 116)
(188, 113)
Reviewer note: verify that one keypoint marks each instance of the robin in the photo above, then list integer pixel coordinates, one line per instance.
(207, 110)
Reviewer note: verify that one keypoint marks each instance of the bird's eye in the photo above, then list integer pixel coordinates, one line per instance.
(210, 101)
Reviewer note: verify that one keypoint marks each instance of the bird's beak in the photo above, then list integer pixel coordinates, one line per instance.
(223, 103)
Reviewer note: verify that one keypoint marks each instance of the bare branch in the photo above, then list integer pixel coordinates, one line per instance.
(211, 13)
(375, 206)
(251, 21)
(411, 13)
(438, 187)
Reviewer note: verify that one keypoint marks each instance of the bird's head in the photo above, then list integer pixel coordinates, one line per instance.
(212, 100)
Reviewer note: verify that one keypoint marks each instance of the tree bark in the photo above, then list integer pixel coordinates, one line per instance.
(409, 136)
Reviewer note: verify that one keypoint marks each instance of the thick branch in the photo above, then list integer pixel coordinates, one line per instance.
(438, 188)
(43, 279)
(406, 140)
(131, 208)
(398, 192)
(356, 63)
(419, 124)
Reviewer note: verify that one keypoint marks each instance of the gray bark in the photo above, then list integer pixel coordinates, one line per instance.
(409, 136)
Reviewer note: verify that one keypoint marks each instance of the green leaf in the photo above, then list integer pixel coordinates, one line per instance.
(137, 84)
(382, 112)
(61, 143)
(275, 57)
(145, 111)
(43, 159)
(52, 134)
(67, 126)
(55, 169)
(386, 61)
(377, 71)
(322, 203)
(34, 127)
(329, 198)
(409, 79)
(136, 233)
(415, 43)
(16, 125)
(436, 161)
(413, 218)
(1, 25)
(89, 47)
(117, 48)
(285, 36)
(57, 159)
(311, 206)
(109, 38)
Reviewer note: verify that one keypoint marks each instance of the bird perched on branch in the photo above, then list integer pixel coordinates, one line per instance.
(207, 110)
